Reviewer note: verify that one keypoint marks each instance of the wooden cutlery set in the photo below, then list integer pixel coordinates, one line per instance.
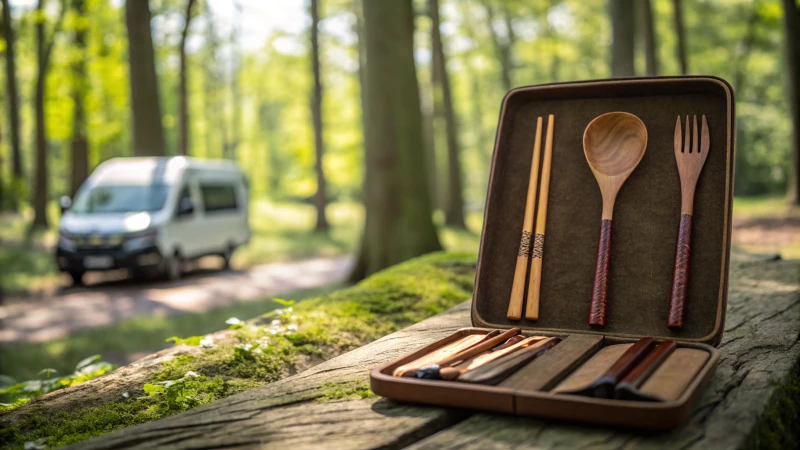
(580, 365)
(614, 144)
(648, 349)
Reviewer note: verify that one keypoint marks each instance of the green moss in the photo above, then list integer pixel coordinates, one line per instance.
(779, 426)
(326, 326)
(342, 391)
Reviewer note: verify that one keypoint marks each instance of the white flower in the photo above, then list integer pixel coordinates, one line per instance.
(258, 351)
(191, 374)
(273, 331)
(293, 318)
(126, 395)
(207, 342)
(289, 309)
(245, 347)
(279, 312)
(276, 322)
(233, 321)
(292, 327)
(38, 444)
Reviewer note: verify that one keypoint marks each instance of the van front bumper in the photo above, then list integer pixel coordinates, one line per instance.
(100, 259)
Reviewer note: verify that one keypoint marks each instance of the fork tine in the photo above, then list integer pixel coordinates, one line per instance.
(686, 146)
(695, 147)
(678, 137)
(705, 142)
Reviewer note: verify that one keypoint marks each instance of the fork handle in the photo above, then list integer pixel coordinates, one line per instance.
(597, 309)
(680, 274)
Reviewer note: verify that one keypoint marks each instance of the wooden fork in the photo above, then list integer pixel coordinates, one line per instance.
(690, 159)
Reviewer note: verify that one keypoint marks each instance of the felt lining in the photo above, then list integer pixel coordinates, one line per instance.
(646, 215)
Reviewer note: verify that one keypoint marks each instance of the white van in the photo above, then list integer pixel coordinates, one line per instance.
(149, 215)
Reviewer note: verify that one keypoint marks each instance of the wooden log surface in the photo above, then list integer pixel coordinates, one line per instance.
(323, 406)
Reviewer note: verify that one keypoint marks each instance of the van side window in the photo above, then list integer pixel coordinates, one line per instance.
(185, 205)
(218, 197)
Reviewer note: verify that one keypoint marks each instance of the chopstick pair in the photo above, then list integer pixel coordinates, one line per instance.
(624, 378)
(524, 253)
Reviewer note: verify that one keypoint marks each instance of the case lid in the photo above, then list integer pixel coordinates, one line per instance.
(646, 214)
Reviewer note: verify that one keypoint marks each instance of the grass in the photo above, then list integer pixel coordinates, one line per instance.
(142, 334)
(767, 225)
(749, 207)
(262, 351)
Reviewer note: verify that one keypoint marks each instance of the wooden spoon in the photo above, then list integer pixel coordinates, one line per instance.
(614, 143)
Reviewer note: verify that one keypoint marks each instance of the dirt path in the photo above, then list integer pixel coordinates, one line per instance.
(33, 319)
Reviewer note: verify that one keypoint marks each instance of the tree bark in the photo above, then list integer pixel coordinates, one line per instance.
(321, 196)
(183, 89)
(454, 206)
(683, 60)
(79, 147)
(622, 25)
(44, 48)
(12, 94)
(398, 225)
(232, 143)
(650, 42)
(503, 49)
(148, 131)
(792, 50)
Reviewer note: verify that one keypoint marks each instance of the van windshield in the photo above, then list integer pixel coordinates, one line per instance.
(120, 199)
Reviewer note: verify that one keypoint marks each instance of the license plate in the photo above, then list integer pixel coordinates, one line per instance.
(98, 262)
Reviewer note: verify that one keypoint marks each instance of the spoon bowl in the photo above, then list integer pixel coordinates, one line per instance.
(614, 143)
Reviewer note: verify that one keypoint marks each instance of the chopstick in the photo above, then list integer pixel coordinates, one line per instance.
(432, 371)
(451, 373)
(535, 283)
(521, 271)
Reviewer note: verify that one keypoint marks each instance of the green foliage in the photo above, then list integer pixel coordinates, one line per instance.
(20, 393)
(193, 341)
(184, 393)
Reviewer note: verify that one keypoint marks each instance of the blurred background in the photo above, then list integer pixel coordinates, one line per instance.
(281, 86)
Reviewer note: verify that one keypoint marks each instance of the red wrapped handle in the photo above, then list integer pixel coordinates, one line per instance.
(680, 275)
(597, 311)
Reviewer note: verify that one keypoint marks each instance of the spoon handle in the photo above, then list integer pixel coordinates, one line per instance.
(597, 312)
(680, 275)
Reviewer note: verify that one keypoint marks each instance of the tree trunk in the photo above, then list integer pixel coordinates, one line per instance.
(148, 131)
(13, 101)
(792, 44)
(650, 52)
(677, 6)
(320, 197)
(398, 225)
(183, 90)
(232, 144)
(44, 48)
(79, 147)
(740, 66)
(454, 206)
(622, 38)
(502, 49)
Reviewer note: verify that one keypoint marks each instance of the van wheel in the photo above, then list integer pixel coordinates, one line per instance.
(226, 257)
(77, 278)
(172, 267)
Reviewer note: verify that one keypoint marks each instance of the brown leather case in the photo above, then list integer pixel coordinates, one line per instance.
(646, 222)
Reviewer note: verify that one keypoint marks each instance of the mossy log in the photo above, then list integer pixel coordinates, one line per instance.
(750, 402)
(325, 327)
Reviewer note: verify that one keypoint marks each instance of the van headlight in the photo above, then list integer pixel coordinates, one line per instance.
(136, 221)
(66, 242)
(141, 240)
